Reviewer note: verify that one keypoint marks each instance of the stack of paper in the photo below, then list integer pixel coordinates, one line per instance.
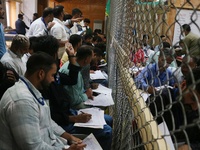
(97, 120)
(97, 75)
(103, 99)
(92, 143)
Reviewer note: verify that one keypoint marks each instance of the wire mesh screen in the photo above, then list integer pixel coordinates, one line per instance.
(154, 56)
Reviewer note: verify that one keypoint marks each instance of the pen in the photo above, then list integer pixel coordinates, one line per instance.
(82, 112)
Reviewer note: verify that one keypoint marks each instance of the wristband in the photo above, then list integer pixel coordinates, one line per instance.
(71, 56)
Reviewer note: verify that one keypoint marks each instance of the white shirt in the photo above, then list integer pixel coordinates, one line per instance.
(59, 32)
(11, 60)
(37, 28)
(25, 123)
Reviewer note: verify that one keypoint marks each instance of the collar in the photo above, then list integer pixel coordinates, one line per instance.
(58, 20)
(13, 55)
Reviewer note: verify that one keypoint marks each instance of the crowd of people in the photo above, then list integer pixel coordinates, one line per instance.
(45, 79)
(169, 74)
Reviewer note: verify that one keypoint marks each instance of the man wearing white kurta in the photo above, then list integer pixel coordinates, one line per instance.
(58, 30)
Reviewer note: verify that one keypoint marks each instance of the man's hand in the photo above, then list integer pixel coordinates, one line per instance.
(151, 90)
(10, 76)
(76, 19)
(89, 93)
(83, 118)
(50, 25)
(69, 49)
(76, 147)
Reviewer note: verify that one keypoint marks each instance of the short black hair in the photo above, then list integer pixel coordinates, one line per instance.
(186, 27)
(87, 20)
(98, 51)
(35, 14)
(76, 11)
(47, 11)
(47, 44)
(58, 10)
(75, 39)
(97, 39)
(39, 61)
(83, 52)
(20, 15)
(67, 16)
(87, 36)
(166, 45)
(0, 3)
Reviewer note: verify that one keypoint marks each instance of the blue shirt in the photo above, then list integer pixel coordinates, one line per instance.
(151, 76)
(21, 27)
(2, 42)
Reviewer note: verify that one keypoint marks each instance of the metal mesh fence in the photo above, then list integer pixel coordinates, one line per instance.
(154, 72)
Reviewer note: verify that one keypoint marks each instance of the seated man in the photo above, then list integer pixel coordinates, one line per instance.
(13, 57)
(191, 97)
(25, 120)
(76, 92)
(156, 74)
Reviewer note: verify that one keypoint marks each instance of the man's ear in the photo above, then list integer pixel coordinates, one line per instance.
(41, 74)
(183, 85)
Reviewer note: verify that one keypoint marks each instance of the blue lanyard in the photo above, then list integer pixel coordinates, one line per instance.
(40, 100)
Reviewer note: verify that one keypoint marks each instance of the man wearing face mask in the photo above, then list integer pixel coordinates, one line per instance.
(191, 42)
(156, 74)
(2, 38)
(13, 57)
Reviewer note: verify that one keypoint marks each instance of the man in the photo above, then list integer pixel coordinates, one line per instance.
(159, 46)
(25, 116)
(156, 74)
(35, 17)
(191, 97)
(76, 92)
(58, 30)
(20, 25)
(76, 13)
(2, 38)
(76, 41)
(86, 25)
(153, 57)
(191, 42)
(13, 57)
(42, 25)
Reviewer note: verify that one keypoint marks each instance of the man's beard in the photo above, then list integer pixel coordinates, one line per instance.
(45, 84)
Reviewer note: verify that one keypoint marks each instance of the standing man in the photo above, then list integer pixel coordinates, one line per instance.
(58, 30)
(20, 25)
(76, 13)
(25, 121)
(191, 42)
(2, 38)
(42, 25)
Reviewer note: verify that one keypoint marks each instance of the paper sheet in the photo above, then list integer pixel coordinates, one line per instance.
(97, 75)
(97, 120)
(165, 132)
(92, 143)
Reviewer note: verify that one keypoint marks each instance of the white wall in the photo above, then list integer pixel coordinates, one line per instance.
(28, 7)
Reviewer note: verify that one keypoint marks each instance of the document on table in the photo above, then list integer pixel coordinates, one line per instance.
(97, 75)
(165, 132)
(97, 120)
(103, 99)
(92, 143)
(102, 89)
